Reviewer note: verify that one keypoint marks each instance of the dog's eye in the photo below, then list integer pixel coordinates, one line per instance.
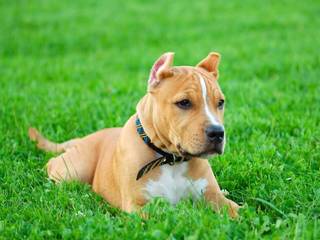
(221, 104)
(184, 104)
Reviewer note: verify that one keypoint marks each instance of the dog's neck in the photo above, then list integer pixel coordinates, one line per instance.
(146, 112)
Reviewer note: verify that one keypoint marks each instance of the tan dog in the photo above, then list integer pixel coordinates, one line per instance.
(182, 115)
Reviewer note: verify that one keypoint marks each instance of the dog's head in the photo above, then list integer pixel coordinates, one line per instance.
(184, 107)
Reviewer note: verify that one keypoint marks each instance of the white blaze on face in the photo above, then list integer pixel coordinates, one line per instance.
(205, 99)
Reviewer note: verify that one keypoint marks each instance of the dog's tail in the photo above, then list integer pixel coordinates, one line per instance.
(45, 144)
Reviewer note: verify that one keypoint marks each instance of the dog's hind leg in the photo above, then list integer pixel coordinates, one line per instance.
(77, 161)
(49, 146)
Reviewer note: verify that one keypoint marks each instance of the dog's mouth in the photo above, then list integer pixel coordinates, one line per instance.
(216, 149)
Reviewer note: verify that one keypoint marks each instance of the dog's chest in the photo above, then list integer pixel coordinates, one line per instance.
(174, 184)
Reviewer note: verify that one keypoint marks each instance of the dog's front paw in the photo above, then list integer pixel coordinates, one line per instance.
(233, 208)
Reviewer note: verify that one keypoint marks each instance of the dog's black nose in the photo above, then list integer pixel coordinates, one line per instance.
(215, 133)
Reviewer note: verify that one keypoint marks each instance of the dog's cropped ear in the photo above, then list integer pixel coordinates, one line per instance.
(211, 63)
(161, 69)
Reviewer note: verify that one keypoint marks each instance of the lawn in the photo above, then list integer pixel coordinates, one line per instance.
(73, 67)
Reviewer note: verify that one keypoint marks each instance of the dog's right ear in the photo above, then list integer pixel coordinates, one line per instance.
(161, 69)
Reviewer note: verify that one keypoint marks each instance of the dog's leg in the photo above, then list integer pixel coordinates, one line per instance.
(216, 197)
(49, 146)
(76, 163)
(213, 194)
(127, 206)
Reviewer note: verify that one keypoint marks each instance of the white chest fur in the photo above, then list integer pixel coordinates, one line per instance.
(174, 184)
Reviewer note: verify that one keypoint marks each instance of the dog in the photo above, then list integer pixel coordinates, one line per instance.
(161, 151)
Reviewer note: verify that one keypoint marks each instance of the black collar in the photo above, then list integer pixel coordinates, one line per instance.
(166, 158)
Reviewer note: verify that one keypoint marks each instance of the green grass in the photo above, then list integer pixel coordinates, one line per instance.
(73, 67)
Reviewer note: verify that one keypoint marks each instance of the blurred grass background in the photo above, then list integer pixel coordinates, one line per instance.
(73, 67)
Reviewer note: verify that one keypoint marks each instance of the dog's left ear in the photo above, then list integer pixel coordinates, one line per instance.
(161, 69)
(211, 63)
